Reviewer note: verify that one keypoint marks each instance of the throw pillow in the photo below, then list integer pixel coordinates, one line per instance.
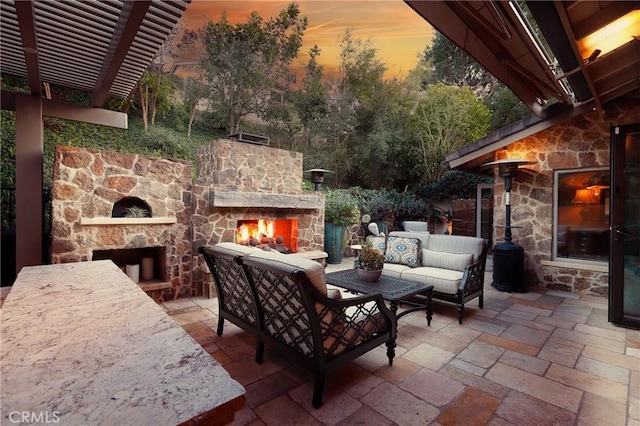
(378, 243)
(405, 251)
(446, 260)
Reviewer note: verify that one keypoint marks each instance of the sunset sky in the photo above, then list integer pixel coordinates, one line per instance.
(393, 28)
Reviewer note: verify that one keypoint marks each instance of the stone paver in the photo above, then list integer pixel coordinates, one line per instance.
(534, 358)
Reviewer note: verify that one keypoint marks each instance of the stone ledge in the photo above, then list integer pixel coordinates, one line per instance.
(586, 266)
(89, 221)
(258, 199)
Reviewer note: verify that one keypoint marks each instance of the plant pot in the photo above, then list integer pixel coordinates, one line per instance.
(334, 237)
(369, 276)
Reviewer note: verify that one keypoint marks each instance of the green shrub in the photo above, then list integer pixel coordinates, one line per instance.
(341, 208)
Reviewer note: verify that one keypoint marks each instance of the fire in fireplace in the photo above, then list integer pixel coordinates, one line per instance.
(279, 234)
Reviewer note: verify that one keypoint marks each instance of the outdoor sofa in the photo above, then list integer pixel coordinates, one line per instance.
(295, 312)
(453, 264)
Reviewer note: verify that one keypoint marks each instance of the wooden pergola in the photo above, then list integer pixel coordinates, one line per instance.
(98, 46)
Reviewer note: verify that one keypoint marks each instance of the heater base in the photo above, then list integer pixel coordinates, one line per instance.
(508, 268)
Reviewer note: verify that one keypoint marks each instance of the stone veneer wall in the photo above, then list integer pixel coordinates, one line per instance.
(238, 167)
(582, 141)
(86, 184)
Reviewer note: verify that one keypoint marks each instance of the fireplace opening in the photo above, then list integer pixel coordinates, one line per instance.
(279, 234)
(131, 207)
(151, 271)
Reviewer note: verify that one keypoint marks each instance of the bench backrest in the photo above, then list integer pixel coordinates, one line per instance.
(234, 293)
(283, 307)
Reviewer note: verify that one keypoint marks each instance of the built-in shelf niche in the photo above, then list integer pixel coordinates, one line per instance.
(123, 257)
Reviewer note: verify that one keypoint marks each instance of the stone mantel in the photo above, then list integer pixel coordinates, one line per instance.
(127, 221)
(257, 199)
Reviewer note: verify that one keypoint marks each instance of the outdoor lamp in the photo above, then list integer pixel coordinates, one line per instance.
(317, 177)
(508, 257)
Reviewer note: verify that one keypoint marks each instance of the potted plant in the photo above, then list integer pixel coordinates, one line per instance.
(369, 263)
(340, 210)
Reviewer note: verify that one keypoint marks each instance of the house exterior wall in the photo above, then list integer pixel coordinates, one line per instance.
(581, 142)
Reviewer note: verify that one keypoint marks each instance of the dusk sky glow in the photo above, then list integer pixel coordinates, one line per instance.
(393, 28)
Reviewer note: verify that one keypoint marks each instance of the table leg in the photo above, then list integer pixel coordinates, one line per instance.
(393, 306)
(429, 306)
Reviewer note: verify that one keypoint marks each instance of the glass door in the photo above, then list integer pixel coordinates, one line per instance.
(624, 265)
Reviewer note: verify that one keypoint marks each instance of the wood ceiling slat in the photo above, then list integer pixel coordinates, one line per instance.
(74, 38)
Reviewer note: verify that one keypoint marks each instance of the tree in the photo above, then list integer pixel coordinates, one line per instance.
(243, 63)
(446, 119)
(194, 92)
(445, 62)
(154, 91)
(453, 66)
(360, 70)
(312, 99)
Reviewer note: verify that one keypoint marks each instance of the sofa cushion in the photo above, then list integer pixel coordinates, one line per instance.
(394, 269)
(314, 270)
(404, 251)
(442, 280)
(379, 243)
(441, 259)
(456, 244)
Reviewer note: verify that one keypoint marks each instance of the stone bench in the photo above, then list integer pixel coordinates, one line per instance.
(317, 255)
(82, 344)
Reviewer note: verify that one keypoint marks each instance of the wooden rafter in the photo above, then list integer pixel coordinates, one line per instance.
(27, 22)
(566, 25)
(129, 21)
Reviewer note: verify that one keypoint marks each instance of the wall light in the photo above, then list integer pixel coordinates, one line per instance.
(611, 36)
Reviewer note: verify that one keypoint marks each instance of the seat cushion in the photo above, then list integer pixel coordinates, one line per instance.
(442, 280)
(288, 263)
(445, 260)
(404, 251)
(394, 269)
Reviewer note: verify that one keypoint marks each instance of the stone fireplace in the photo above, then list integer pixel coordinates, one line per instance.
(241, 183)
(126, 208)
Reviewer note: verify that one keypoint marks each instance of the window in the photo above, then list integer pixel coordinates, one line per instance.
(581, 215)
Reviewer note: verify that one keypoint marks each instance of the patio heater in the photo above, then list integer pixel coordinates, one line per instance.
(508, 257)
(317, 177)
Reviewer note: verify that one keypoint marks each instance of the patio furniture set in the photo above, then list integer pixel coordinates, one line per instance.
(284, 301)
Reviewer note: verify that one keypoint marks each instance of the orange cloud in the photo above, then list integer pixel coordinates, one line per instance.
(392, 27)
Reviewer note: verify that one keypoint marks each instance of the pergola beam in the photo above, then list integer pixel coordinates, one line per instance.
(129, 21)
(27, 23)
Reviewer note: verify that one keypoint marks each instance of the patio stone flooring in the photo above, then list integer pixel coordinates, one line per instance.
(536, 358)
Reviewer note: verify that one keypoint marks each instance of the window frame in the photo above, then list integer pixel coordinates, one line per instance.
(554, 237)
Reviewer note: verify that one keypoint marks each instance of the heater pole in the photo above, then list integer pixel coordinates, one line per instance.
(507, 198)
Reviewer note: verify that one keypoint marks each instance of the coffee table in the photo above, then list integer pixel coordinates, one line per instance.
(392, 289)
